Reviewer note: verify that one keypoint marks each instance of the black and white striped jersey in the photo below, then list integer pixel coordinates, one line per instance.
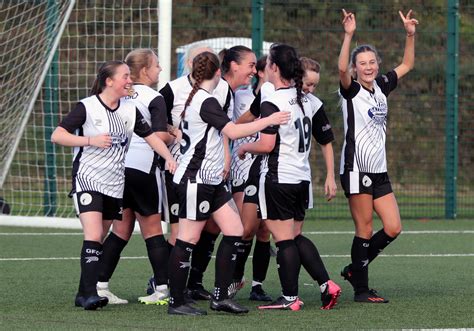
(176, 93)
(152, 106)
(365, 124)
(239, 168)
(103, 169)
(288, 162)
(202, 147)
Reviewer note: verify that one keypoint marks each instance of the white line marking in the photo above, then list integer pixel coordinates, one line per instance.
(146, 257)
(307, 232)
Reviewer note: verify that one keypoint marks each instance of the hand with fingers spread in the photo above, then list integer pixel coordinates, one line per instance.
(409, 22)
(102, 141)
(349, 22)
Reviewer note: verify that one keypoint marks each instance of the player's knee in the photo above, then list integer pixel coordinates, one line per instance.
(393, 230)
(263, 234)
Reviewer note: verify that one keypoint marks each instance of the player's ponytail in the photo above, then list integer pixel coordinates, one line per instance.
(287, 60)
(106, 70)
(205, 65)
(138, 59)
(298, 78)
(233, 54)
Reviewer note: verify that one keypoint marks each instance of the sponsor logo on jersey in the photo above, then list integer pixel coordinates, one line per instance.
(119, 139)
(85, 199)
(326, 127)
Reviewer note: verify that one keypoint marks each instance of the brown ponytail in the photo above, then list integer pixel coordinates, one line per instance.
(106, 70)
(205, 65)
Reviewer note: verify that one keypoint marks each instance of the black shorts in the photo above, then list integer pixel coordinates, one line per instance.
(142, 191)
(170, 199)
(251, 190)
(111, 208)
(376, 185)
(237, 185)
(198, 201)
(283, 201)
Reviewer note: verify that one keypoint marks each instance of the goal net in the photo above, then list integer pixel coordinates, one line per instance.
(41, 84)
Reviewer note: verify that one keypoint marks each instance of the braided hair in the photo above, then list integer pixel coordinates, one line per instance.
(287, 60)
(205, 65)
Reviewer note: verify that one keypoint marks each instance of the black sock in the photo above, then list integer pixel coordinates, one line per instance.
(261, 260)
(243, 252)
(178, 271)
(225, 264)
(289, 264)
(378, 242)
(202, 254)
(311, 260)
(90, 261)
(170, 247)
(158, 255)
(112, 248)
(360, 264)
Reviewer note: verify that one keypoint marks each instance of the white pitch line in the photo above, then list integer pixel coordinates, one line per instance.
(146, 257)
(306, 232)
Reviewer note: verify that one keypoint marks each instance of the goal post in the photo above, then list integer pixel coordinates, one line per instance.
(43, 23)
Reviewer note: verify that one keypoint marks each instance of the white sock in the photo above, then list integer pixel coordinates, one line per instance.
(103, 285)
(255, 283)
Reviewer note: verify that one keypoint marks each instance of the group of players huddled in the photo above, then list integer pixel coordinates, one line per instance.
(213, 152)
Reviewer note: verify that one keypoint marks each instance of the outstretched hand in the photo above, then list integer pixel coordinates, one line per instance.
(409, 22)
(349, 22)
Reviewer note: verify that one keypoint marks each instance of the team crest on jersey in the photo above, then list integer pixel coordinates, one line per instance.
(204, 207)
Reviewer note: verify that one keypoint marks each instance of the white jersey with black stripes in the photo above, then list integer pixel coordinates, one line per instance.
(102, 169)
(288, 161)
(151, 105)
(365, 123)
(202, 148)
(176, 93)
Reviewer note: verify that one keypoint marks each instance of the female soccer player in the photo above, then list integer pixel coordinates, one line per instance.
(284, 185)
(175, 94)
(363, 168)
(143, 193)
(201, 188)
(100, 128)
(244, 175)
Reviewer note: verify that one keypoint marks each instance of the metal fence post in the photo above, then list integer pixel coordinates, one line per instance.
(257, 26)
(451, 161)
(50, 106)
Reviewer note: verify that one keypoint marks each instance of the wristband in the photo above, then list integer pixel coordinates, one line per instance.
(411, 35)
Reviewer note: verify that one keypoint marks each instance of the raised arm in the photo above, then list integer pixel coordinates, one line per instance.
(408, 61)
(349, 23)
